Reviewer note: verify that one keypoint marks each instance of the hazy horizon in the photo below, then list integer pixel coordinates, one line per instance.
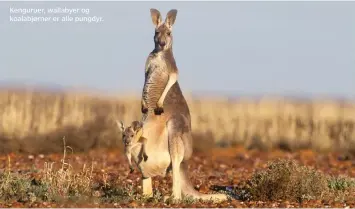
(237, 48)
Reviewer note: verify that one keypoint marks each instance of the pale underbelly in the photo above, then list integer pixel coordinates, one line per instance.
(157, 163)
(157, 150)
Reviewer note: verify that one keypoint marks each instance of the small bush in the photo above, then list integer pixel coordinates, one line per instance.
(286, 180)
(54, 184)
(20, 187)
(341, 183)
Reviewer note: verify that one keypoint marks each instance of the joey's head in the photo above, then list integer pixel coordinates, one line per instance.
(130, 133)
(163, 38)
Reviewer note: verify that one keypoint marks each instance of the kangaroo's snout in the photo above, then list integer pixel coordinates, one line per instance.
(162, 43)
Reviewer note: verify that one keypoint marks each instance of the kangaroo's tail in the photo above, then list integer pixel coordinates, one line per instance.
(187, 188)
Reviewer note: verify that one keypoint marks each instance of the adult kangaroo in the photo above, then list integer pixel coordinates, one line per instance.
(166, 117)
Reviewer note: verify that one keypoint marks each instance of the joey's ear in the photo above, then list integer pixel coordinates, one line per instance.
(120, 125)
(170, 18)
(156, 17)
(136, 125)
(140, 124)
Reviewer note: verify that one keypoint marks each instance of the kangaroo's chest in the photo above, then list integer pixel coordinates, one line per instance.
(156, 78)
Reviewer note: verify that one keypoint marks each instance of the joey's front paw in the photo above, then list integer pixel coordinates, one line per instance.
(131, 169)
(159, 110)
(145, 157)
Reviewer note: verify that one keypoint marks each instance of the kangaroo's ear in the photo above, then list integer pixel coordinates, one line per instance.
(170, 18)
(120, 125)
(156, 17)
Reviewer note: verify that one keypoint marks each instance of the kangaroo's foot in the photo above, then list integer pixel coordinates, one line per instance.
(170, 199)
(147, 187)
(217, 197)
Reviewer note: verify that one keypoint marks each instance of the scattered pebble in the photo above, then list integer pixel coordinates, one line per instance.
(223, 166)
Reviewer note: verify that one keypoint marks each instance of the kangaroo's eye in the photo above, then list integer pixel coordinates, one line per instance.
(168, 33)
(123, 136)
(132, 135)
(156, 32)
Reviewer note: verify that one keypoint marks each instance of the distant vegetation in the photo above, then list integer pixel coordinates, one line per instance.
(36, 122)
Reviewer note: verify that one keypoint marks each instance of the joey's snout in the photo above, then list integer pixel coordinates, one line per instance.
(126, 141)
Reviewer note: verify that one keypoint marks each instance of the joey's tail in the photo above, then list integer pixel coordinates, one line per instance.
(189, 190)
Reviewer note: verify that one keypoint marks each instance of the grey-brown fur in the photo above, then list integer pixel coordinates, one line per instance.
(166, 116)
(131, 138)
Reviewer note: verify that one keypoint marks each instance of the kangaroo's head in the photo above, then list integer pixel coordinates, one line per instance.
(163, 37)
(130, 133)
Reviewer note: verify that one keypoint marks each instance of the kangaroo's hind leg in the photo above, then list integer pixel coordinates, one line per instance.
(176, 149)
(187, 140)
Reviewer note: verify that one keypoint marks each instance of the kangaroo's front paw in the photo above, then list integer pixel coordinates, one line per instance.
(159, 110)
(144, 109)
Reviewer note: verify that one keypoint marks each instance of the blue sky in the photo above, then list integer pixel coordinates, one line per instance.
(249, 48)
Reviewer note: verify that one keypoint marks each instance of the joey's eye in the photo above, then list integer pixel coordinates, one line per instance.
(156, 32)
(168, 33)
(123, 136)
(132, 135)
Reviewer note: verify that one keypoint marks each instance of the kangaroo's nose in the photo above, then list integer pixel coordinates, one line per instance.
(162, 43)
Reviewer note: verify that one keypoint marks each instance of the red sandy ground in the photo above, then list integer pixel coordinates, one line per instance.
(221, 166)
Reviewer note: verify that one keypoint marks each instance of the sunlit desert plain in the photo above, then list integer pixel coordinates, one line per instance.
(63, 149)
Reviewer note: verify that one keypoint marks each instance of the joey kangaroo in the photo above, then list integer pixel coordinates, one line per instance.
(131, 138)
(166, 117)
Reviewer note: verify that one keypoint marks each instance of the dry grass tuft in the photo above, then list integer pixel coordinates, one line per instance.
(65, 182)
